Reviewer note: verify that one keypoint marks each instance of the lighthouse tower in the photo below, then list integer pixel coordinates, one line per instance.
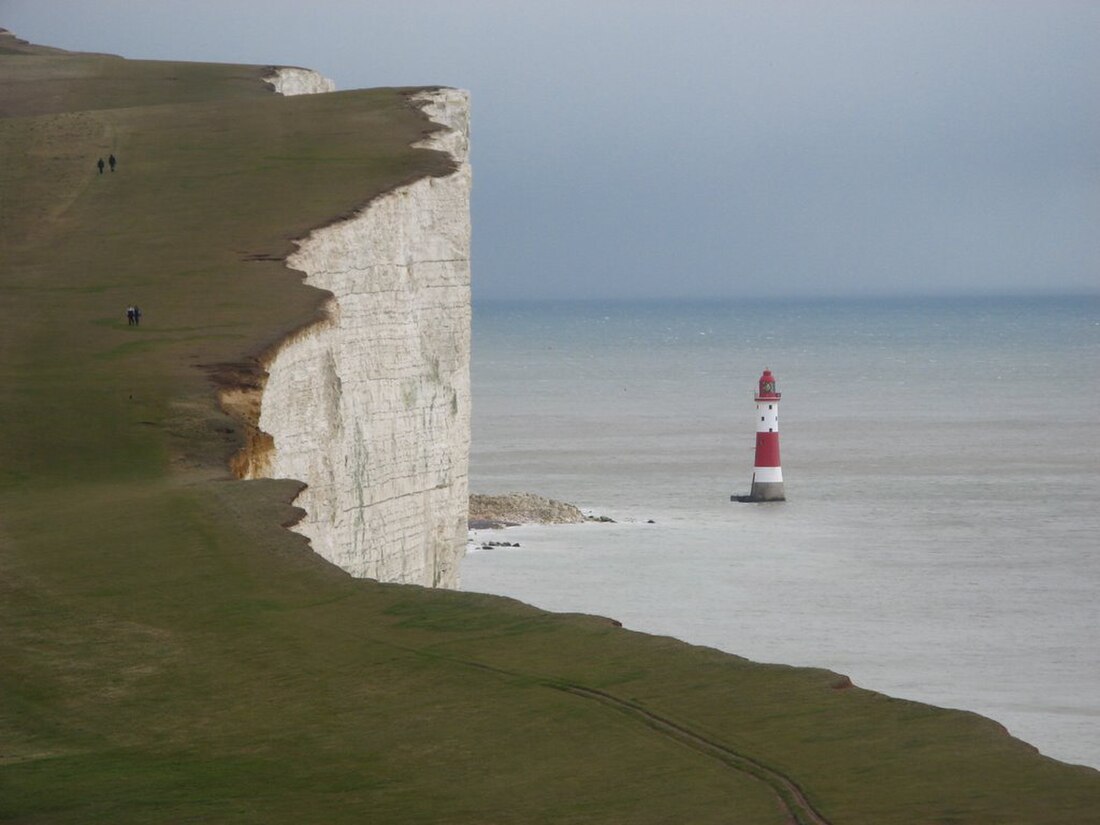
(767, 475)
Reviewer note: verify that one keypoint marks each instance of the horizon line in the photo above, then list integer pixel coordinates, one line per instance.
(885, 296)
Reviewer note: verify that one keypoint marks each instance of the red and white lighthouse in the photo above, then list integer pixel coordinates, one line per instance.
(767, 475)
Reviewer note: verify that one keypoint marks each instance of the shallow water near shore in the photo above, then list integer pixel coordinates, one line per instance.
(942, 466)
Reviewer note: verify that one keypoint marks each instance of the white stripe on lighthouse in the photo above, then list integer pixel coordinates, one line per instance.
(765, 475)
(767, 417)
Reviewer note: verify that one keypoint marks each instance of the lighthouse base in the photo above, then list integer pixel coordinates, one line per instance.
(763, 491)
(767, 491)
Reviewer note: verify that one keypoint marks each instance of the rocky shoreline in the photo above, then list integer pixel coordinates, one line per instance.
(489, 512)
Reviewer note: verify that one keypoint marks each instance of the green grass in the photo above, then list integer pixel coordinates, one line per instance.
(170, 653)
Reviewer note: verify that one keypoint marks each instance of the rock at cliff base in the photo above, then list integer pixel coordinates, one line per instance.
(521, 508)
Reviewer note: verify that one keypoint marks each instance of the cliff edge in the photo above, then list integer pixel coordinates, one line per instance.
(370, 407)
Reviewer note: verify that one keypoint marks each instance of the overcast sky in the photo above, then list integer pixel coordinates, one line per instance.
(694, 149)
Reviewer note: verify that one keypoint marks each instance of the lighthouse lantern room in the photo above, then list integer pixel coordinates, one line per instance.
(767, 474)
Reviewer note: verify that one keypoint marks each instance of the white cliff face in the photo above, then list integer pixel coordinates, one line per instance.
(287, 80)
(371, 407)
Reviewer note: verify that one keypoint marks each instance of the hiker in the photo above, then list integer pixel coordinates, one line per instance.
(129, 316)
(137, 315)
(111, 160)
(100, 165)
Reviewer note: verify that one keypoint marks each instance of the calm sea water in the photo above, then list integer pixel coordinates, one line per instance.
(941, 541)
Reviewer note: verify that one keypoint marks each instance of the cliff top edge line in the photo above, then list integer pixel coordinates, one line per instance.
(370, 407)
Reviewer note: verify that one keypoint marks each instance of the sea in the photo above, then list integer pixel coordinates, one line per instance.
(941, 535)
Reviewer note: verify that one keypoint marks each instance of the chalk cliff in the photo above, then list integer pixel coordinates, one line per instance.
(289, 80)
(371, 406)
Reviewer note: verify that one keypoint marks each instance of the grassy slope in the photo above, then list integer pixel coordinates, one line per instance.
(169, 653)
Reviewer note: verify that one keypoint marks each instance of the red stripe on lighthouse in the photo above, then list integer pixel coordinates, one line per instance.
(767, 450)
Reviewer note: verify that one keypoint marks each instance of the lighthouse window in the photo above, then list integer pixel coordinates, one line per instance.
(769, 406)
(761, 418)
(770, 430)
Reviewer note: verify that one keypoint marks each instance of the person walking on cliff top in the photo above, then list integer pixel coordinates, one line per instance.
(130, 316)
(137, 315)
(100, 165)
(111, 162)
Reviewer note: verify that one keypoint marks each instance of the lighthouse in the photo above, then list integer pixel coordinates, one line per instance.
(767, 475)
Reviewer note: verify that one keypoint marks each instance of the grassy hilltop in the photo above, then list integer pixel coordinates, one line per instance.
(170, 653)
